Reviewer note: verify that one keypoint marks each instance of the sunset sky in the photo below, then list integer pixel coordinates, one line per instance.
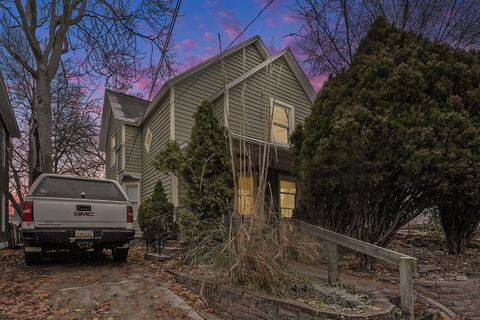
(196, 31)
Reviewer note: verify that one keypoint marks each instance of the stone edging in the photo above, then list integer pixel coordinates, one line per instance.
(463, 297)
(247, 304)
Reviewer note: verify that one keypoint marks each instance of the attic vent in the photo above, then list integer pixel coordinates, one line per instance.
(148, 140)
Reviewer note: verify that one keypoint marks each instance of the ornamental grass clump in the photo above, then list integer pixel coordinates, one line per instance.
(253, 253)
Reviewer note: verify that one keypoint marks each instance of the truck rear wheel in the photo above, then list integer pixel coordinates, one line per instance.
(33, 258)
(119, 255)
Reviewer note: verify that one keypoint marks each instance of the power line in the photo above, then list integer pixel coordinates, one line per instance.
(220, 55)
(165, 46)
(223, 51)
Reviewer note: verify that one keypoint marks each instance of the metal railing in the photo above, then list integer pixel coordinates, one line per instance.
(160, 229)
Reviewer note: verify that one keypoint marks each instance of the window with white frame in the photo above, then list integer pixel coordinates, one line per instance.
(282, 116)
(148, 140)
(113, 155)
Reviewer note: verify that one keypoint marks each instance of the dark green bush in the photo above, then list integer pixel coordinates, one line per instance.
(154, 208)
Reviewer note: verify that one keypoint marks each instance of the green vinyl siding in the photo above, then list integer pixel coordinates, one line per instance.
(114, 128)
(133, 150)
(277, 81)
(159, 124)
(192, 91)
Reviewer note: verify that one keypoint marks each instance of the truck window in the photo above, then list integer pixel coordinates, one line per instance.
(73, 188)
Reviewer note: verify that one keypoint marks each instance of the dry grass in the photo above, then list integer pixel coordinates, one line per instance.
(256, 255)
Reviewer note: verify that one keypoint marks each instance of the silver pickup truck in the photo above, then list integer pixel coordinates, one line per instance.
(75, 213)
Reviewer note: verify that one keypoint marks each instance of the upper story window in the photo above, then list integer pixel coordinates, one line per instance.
(282, 122)
(148, 140)
(113, 155)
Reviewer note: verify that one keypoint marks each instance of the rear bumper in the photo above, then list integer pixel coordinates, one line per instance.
(66, 237)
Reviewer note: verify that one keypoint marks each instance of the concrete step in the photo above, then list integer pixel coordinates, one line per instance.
(171, 250)
(156, 257)
(176, 243)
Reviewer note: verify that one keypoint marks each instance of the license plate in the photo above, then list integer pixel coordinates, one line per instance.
(83, 234)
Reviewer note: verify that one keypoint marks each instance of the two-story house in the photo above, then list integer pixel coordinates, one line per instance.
(8, 129)
(246, 85)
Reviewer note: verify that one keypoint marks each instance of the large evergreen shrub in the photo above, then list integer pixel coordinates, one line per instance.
(394, 134)
(204, 167)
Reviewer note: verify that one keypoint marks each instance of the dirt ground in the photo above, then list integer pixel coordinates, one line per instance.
(90, 287)
(434, 260)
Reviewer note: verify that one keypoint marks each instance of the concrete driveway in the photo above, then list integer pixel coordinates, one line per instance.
(87, 287)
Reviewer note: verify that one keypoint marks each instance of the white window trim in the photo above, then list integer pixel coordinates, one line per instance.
(291, 118)
(148, 146)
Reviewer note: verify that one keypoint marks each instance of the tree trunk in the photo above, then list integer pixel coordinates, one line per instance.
(459, 222)
(41, 127)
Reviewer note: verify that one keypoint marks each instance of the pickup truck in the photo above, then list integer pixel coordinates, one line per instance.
(76, 214)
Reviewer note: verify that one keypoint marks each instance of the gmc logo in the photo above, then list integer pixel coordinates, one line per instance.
(84, 213)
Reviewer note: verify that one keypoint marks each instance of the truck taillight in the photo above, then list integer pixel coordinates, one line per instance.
(129, 214)
(27, 211)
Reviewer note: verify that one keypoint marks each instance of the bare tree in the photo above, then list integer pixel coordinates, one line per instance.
(75, 125)
(104, 38)
(332, 29)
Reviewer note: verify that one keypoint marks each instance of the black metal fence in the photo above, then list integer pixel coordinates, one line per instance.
(161, 229)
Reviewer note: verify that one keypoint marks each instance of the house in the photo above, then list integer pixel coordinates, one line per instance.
(8, 129)
(256, 83)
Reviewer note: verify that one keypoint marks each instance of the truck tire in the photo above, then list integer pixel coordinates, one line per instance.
(119, 255)
(33, 258)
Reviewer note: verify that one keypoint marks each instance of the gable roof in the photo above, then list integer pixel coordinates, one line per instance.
(6, 111)
(126, 108)
(132, 110)
(292, 63)
(256, 40)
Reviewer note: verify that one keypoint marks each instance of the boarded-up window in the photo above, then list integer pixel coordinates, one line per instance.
(281, 124)
(113, 155)
(245, 195)
(288, 195)
(148, 140)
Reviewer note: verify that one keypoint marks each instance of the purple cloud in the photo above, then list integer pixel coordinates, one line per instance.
(232, 28)
(208, 36)
(287, 18)
(271, 23)
(189, 43)
(225, 13)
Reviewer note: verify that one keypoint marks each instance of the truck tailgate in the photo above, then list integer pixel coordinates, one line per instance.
(79, 213)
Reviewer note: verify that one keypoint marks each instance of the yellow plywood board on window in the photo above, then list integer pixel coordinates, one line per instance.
(280, 115)
(287, 201)
(279, 134)
(287, 213)
(288, 186)
(245, 200)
